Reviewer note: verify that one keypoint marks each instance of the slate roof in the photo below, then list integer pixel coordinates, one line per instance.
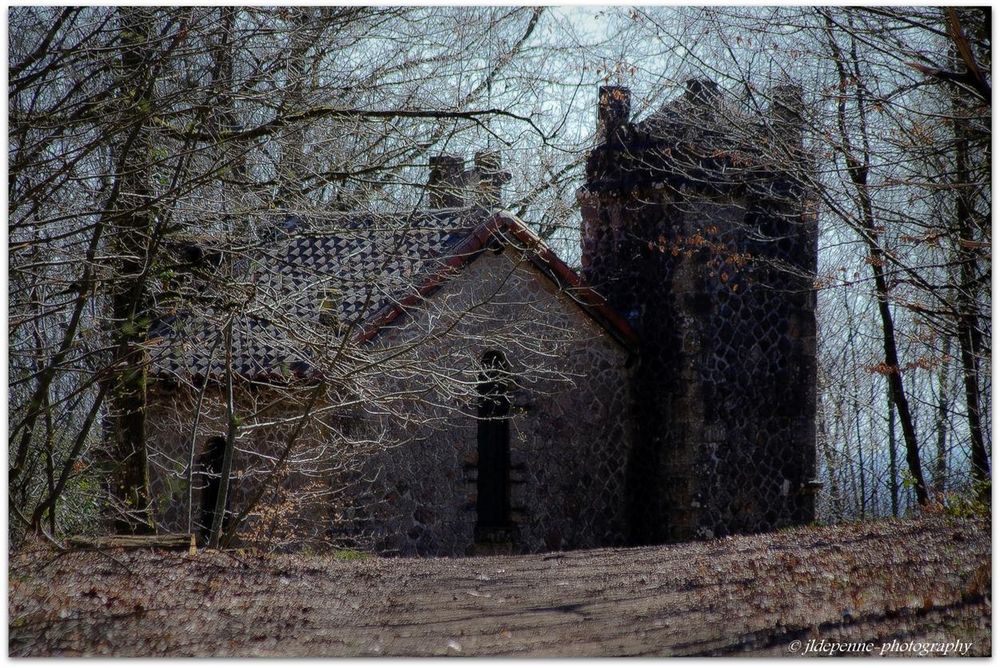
(360, 267)
(361, 273)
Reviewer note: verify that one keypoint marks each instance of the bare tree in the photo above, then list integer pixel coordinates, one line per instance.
(155, 155)
(898, 102)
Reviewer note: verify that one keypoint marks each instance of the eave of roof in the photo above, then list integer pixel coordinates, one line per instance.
(466, 251)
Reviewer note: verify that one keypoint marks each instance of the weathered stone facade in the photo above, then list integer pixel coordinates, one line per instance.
(569, 425)
(708, 249)
(298, 499)
(406, 483)
(495, 402)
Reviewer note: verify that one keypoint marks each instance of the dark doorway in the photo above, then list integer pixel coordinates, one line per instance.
(493, 475)
(210, 464)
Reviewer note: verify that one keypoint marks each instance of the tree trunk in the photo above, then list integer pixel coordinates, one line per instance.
(169, 541)
(941, 459)
(893, 465)
(969, 335)
(836, 503)
(291, 168)
(133, 223)
(857, 169)
(856, 410)
(221, 501)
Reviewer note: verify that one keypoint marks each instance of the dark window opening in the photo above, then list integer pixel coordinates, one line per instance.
(493, 476)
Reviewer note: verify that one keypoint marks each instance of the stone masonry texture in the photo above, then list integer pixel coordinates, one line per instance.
(711, 263)
(404, 483)
(700, 238)
(569, 432)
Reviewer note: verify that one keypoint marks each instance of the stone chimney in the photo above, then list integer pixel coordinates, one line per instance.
(787, 115)
(614, 106)
(787, 106)
(702, 99)
(446, 182)
(702, 92)
(491, 177)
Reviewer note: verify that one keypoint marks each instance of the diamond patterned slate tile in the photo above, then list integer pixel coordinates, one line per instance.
(336, 275)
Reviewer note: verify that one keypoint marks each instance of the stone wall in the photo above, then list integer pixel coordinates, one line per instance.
(714, 271)
(569, 435)
(394, 469)
(296, 504)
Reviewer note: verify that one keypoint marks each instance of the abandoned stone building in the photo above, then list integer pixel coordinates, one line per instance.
(478, 394)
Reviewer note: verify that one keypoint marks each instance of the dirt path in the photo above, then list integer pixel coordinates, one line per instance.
(910, 581)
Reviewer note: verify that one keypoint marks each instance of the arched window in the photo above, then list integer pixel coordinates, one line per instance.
(493, 475)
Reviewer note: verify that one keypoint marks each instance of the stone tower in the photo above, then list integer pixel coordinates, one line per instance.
(698, 229)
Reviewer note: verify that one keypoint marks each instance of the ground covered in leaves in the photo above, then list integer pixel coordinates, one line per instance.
(920, 584)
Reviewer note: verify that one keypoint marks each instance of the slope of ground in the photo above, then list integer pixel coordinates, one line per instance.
(825, 590)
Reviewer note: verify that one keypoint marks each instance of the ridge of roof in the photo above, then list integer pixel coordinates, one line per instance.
(544, 258)
(181, 342)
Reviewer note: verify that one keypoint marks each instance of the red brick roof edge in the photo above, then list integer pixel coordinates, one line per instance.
(497, 227)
